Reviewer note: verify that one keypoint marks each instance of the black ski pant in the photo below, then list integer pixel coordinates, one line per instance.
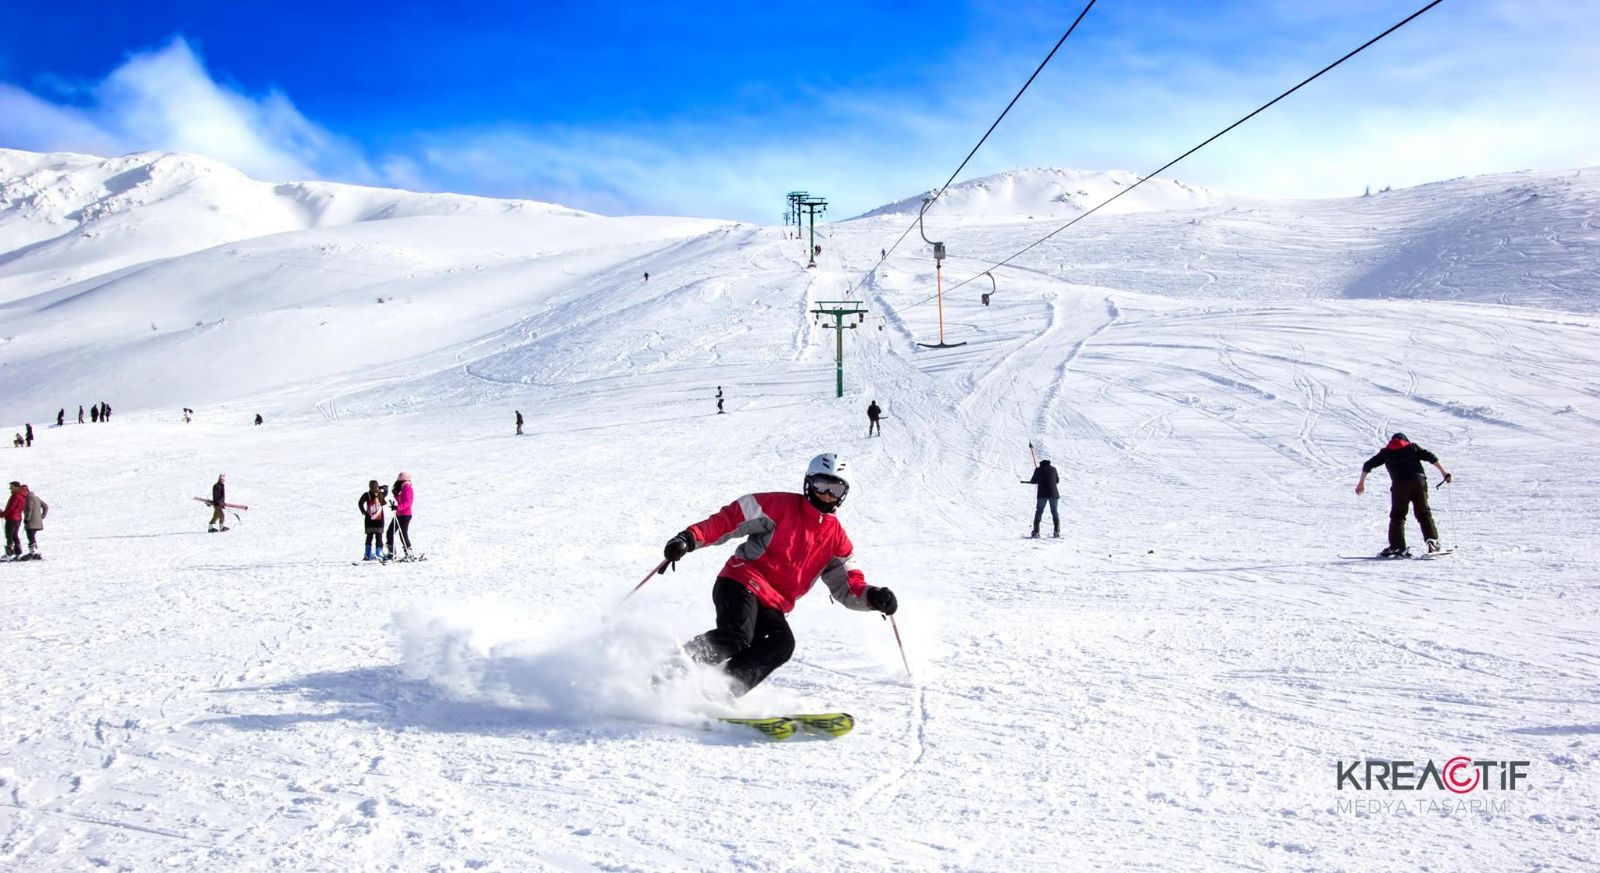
(754, 639)
(1411, 494)
(403, 523)
(1055, 514)
(13, 543)
(33, 539)
(873, 425)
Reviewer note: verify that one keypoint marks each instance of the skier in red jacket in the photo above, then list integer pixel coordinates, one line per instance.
(791, 540)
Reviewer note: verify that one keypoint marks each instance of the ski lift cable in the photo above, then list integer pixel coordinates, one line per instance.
(1263, 107)
(889, 251)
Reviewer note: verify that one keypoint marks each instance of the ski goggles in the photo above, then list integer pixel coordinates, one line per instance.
(837, 488)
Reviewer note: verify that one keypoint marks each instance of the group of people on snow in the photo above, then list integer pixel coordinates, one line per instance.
(24, 510)
(372, 502)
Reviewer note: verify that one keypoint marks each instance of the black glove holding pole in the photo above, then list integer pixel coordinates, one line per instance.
(882, 599)
(677, 547)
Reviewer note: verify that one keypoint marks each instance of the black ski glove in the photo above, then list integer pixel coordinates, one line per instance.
(677, 547)
(1447, 478)
(882, 599)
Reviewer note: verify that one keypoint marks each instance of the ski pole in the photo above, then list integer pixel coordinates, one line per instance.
(1033, 453)
(659, 567)
(902, 646)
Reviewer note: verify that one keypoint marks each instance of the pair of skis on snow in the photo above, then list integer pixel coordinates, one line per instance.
(782, 727)
(1404, 556)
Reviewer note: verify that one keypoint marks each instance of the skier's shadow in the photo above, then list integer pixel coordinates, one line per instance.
(385, 697)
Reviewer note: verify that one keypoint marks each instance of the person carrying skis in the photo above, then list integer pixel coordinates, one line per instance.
(371, 505)
(16, 508)
(791, 541)
(34, 511)
(872, 418)
(403, 498)
(219, 496)
(1048, 491)
(1408, 489)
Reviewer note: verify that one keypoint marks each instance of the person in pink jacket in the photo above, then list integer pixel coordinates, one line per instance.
(791, 540)
(403, 497)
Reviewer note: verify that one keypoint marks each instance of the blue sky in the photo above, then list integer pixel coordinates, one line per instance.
(718, 109)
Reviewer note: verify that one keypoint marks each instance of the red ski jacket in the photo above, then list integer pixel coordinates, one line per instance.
(16, 506)
(789, 545)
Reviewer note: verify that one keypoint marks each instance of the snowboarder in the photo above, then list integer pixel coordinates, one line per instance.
(1408, 489)
(1048, 480)
(259, 419)
(719, 399)
(219, 496)
(792, 540)
(16, 508)
(29, 436)
(61, 416)
(371, 505)
(872, 418)
(403, 498)
(519, 422)
(34, 511)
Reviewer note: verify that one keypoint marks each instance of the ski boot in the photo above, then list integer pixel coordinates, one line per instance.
(211, 529)
(224, 527)
(1035, 534)
(367, 554)
(1433, 546)
(1395, 552)
(1057, 534)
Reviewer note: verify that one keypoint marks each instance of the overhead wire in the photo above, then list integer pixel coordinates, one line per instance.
(937, 194)
(1258, 110)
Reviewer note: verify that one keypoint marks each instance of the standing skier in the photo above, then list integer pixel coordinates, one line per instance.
(872, 418)
(29, 437)
(719, 399)
(219, 496)
(371, 505)
(1048, 491)
(16, 508)
(61, 416)
(519, 422)
(791, 541)
(80, 413)
(34, 511)
(403, 498)
(1408, 489)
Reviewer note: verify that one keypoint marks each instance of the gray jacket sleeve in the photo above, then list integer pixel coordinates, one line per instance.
(836, 575)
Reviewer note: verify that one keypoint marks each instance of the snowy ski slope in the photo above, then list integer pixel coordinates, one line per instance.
(1170, 686)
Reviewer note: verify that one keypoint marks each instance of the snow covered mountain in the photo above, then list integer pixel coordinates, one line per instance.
(1053, 193)
(1175, 684)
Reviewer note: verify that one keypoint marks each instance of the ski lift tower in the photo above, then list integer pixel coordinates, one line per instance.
(813, 205)
(794, 198)
(839, 310)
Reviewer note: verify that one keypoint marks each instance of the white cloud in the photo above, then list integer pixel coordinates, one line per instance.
(165, 100)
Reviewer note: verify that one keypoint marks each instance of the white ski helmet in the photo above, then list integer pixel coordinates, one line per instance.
(826, 466)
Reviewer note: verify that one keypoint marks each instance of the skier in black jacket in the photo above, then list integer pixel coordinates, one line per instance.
(873, 412)
(219, 496)
(1046, 477)
(1408, 489)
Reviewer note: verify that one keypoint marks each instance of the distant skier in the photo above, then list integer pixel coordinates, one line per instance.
(872, 419)
(259, 420)
(105, 411)
(16, 508)
(29, 437)
(1408, 489)
(792, 540)
(188, 415)
(647, 277)
(219, 496)
(1048, 491)
(719, 400)
(371, 505)
(18, 442)
(80, 413)
(404, 497)
(34, 511)
(519, 422)
(94, 414)
(61, 416)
